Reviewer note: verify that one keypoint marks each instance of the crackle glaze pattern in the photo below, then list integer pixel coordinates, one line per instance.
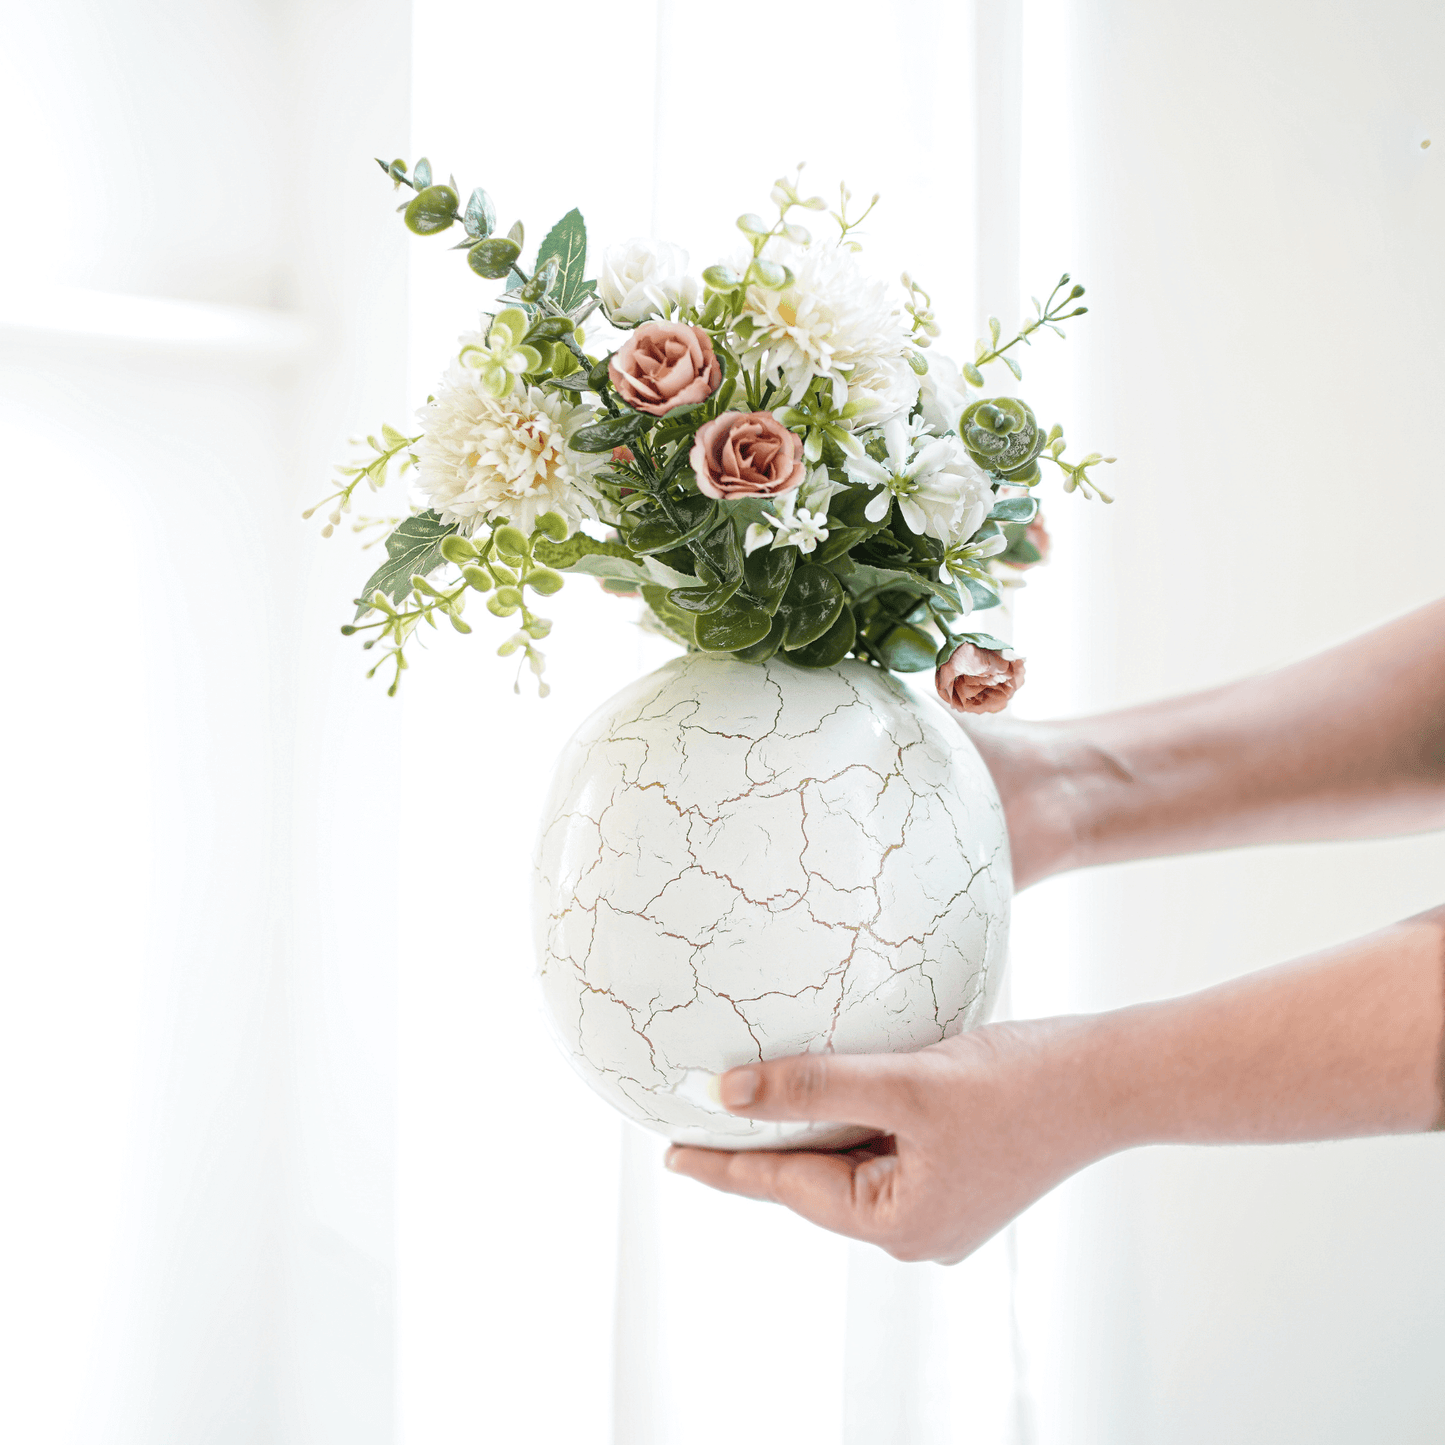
(739, 862)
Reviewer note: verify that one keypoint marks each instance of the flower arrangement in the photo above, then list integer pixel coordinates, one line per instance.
(768, 453)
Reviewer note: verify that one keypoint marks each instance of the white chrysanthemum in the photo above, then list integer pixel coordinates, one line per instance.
(483, 457)
(835, 322)
(940, 490)
(641, 278)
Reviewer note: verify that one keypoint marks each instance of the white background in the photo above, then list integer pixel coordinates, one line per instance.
(240, 1206)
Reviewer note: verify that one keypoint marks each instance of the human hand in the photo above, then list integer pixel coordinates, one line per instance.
(971, 1132)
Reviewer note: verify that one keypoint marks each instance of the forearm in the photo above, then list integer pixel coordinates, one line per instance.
(1350, 743)
(1343, 1044)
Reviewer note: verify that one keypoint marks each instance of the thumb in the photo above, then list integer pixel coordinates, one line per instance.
(876, 1090)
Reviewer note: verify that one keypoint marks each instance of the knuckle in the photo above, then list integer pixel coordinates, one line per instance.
(806, 1081)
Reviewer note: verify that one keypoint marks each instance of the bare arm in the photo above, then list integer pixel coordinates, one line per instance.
(1345, 1043)
(1350, 743)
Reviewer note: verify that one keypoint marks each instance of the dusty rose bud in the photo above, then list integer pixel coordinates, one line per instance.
(664, 364)
(746, 454)
(977, 680)
(623, 454)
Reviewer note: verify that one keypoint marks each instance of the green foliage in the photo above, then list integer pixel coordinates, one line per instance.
(831, 648)
(494, 257)
(616, 431)
(566, 243)
(480, 217)
(431, 210)
(414, 548)
(810, 607)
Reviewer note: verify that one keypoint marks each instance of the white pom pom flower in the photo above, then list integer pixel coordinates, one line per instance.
(484, 457)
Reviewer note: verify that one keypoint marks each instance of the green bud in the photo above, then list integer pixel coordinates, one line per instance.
(504, 602)
(538, 627)
(545, 581)
(420, 584)
(457, 549)
(504, 575)
(752, 225)
(431, 210)
(771, 274)
(722, 278)
(459, 624)
(477, 578)
(918, 361)
(511, 541)
(347, 630)
(553, 525)
(1076, 293)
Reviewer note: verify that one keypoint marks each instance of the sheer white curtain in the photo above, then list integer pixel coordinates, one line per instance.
(555, 1283)
(1258, 224)
(202, 299)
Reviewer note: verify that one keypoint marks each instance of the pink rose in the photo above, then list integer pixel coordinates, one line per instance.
(664, 364)
(977, 680)
(746, 454)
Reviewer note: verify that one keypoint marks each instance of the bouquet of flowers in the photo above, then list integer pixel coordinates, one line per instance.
(769, 453)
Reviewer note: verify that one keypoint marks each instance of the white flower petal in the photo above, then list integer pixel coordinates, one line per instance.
(757, 535)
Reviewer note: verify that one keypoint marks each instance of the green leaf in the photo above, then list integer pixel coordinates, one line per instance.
(768, 647)
(615, 431)
(766, 575)
(831, 648)
(567, 241)
(413, 548)
(480, 217)
(1014, 367)
(678, 625)
(1014, 509)
(431, 210)
(907, 649)
(421, 174)
(659, 533)
(493, 257)
(983, 597)
(810, 606)
(740, 622)
(985, 640)
(865, 581)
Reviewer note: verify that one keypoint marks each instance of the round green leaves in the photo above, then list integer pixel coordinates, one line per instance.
(431, 210)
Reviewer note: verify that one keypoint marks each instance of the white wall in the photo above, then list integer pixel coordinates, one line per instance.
(1259, 229)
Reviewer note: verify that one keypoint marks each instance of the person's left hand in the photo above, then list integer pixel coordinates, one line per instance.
(971, 1131)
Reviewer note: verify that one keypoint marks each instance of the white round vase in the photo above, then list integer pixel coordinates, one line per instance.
(741, 861)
